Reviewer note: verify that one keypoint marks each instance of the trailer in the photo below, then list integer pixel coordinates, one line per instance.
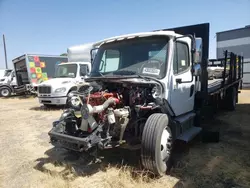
(29, 71)
(155, 91)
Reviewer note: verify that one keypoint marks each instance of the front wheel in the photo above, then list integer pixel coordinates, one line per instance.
(156, 144)
(47, 105)
(5, 92)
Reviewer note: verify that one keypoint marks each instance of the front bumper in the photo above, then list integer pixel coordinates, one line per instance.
(72, 142)
(53, 100)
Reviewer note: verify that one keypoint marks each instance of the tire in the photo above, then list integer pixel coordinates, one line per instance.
(47, 105)
(67, 105)
(153, 146)
(231, 99)
(5, 92)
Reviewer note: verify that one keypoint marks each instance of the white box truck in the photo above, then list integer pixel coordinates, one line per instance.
(67, 76)
(29, 70)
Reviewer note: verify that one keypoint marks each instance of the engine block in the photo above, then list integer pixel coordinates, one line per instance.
(99, 98)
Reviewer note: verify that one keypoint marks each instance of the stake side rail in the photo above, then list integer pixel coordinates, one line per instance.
(234, 65)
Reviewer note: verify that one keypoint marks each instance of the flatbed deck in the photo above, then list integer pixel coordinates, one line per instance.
(214, 85)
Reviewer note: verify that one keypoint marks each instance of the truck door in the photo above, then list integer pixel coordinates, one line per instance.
(13, 79)
(181, 89)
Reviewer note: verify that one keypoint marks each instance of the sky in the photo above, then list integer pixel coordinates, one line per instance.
(51, 26)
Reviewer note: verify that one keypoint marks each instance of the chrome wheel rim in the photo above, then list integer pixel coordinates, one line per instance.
(165, 143)
(5, 92)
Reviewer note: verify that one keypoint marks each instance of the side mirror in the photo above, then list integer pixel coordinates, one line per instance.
(84, 71)
(93, 52)
(198, 50)
(197, 70)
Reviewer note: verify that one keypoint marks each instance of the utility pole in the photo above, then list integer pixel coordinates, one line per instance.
(5, 53)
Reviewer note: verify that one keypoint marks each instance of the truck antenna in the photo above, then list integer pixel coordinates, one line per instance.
(5, 53)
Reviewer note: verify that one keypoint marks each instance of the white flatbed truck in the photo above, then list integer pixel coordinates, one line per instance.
(154, 92)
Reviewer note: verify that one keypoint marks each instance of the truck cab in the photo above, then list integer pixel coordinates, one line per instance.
(67, 77)
(8, 77)
(7, 82)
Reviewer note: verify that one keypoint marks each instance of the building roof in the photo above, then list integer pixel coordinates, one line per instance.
(237, 29)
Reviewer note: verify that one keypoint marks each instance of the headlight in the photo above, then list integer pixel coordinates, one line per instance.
(2, 80)
(156, 91)
(60, 90)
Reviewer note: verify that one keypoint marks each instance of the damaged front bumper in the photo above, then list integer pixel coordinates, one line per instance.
(75, 143)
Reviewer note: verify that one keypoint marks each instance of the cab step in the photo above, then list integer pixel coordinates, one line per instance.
(189, 134)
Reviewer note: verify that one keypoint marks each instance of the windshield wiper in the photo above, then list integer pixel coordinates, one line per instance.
(94, 74)
(62, 76)
(130, 73)
(125, 72)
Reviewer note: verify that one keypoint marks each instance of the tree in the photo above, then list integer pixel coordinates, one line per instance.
(64, 54)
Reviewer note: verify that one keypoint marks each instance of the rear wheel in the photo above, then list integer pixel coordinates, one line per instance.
(156, 144)
(5, 92)
(231, 99)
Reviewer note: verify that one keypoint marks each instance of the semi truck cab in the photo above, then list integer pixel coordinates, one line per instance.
(67, 77)
(7, 82)
(8, 77)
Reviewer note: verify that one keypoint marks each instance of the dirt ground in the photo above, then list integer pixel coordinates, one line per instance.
(28, 160)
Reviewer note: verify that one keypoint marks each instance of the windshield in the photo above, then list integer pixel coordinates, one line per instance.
(66, 71)
(144, 56)
(7, 72)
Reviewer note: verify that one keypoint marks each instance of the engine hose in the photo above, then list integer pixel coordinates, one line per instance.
(105, 105)
(124, 124)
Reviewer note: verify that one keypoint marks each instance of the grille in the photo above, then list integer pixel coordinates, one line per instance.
(44, 89)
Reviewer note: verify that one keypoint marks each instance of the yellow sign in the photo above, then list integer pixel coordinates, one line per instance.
(32, 64)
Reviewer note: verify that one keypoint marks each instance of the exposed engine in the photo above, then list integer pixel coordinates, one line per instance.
(111, 113)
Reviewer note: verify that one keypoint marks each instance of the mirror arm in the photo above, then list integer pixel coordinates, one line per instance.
(91, 55)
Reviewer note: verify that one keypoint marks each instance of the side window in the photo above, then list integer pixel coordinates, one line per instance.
(181, 58)
(110, 61)
(84, 70)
